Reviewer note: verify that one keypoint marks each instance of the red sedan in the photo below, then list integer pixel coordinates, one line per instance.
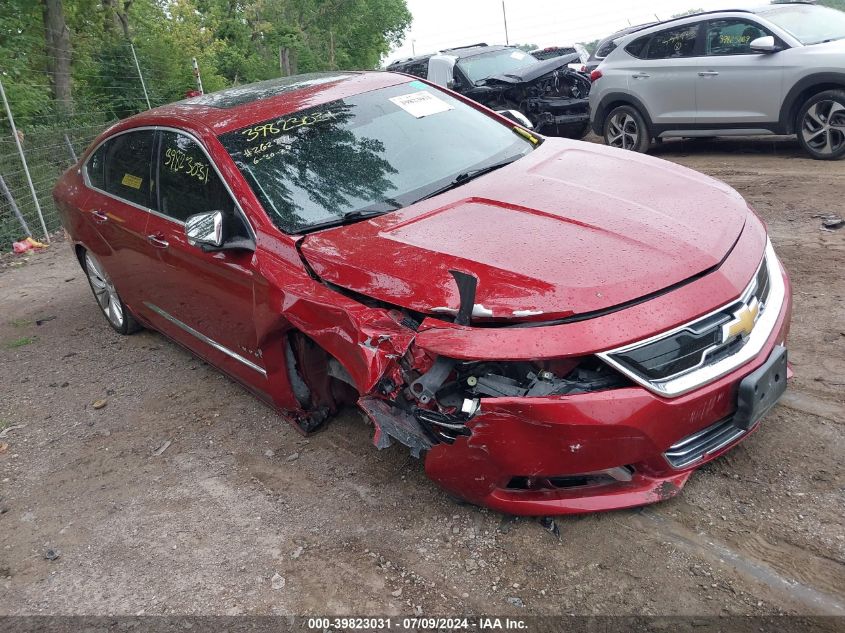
(555, 326)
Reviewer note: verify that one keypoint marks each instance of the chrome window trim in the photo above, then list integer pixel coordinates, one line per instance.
(703, 374)
(202, 337)
(163, 128)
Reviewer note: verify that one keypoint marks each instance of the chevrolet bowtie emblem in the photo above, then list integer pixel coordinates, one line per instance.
(742, 322)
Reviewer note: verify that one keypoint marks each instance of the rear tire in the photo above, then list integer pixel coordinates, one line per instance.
(112, 306)
(821, 125)
(626, 128)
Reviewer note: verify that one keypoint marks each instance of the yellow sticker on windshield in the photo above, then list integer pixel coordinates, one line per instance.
(131, 181)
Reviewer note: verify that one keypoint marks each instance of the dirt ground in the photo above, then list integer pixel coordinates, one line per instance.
(185, 495)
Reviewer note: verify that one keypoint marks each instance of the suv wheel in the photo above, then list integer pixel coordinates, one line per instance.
(625, 128)
(821, 125)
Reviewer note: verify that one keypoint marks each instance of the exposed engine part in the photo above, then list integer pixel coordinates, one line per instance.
(555, 103)
(425, 387)
(393, 422)
(522, 379)
(444, 427)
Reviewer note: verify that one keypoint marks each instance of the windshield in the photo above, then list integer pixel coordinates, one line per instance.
(374, 152)
(809, 24)
(499, 62)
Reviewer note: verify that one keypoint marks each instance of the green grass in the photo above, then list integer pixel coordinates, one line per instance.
(19, 323)
(20, 342)
(4, 424)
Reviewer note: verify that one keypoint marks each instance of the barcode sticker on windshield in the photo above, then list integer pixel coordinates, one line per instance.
(420, 104)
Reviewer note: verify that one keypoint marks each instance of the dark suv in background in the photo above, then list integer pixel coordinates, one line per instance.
(550, 95)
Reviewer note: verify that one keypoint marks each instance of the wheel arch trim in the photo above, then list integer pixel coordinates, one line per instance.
(793, 102)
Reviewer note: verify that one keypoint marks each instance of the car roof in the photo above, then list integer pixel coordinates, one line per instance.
(462, 52)
(237, 107)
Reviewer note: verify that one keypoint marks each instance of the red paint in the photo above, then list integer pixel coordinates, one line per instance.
(570, 229)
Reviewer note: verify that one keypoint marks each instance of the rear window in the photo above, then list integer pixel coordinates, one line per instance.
(673, 43)
(122, 167)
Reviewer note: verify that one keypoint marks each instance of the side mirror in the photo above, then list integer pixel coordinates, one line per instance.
(517, 117)
(205, 229)
(764, 45)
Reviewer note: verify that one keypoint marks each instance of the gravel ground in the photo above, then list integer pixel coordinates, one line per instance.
(186, 495)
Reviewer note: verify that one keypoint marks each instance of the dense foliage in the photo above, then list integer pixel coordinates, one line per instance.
(68, 68)
(234, 41)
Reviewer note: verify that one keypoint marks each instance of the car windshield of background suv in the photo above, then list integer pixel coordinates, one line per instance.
(808, 24)
(374, 152)
(502, 62)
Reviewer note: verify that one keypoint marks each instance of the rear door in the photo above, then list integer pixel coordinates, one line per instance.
(737, 87)
(119, 175)
(664, 73)
(202, 299)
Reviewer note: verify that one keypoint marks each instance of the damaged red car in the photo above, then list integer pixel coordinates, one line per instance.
(553, 326)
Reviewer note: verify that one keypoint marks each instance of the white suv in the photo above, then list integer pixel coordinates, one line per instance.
(779, 69)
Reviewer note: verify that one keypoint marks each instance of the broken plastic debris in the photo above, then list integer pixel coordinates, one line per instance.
(27, 244)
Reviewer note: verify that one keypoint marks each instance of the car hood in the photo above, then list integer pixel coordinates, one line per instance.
(571, 228)
(534, 71)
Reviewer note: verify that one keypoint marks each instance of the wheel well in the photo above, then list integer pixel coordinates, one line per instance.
(610, 107)
(79, 250)
(613, 102)
(801, 98)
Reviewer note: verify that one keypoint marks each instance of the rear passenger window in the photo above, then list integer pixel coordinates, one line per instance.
(674, 43)
(635, 48)
(187, 183)
(732, 37)
(122, 165)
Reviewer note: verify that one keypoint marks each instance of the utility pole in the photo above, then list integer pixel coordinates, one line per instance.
(413, 48)
(505, 17)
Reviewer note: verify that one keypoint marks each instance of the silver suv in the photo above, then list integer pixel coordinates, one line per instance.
(779, 69)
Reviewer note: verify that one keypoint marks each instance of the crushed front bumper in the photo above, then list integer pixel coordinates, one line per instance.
(527, 456)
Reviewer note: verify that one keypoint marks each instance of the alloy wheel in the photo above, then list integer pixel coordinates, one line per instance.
(823, 127)
(104, 291)
(623, 131)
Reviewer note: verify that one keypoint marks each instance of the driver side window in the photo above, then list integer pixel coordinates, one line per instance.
(188, 184)
(732, 37)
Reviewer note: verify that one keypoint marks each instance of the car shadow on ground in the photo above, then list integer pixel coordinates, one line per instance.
(782, 146)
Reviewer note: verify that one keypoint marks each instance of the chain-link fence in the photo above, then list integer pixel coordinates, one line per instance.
(117, 83)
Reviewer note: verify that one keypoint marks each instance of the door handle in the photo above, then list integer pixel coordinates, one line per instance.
(640, 76)
(158, 242)
(708, 73)
(99, 216)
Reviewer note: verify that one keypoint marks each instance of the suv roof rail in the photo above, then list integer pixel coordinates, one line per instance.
(693, 15)
(457, 48)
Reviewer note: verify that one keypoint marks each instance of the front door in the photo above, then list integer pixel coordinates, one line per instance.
(735, 86)
(202, 299)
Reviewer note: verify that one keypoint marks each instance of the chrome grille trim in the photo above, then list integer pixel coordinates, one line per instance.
(706, 372)
(699, 445)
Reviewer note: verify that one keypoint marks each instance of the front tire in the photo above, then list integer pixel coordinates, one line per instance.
(821, 125)
(107, 298)
(626, 128)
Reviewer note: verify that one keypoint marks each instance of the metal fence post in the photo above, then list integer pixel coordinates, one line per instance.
(197, 75)
(140, 76)
(14, 205)
(23, 161)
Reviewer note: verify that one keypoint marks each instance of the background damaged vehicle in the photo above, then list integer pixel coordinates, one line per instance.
(552, 96)
(547, 346)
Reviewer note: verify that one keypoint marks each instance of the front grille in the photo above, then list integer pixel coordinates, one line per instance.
(702, 443)
(709, 347)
